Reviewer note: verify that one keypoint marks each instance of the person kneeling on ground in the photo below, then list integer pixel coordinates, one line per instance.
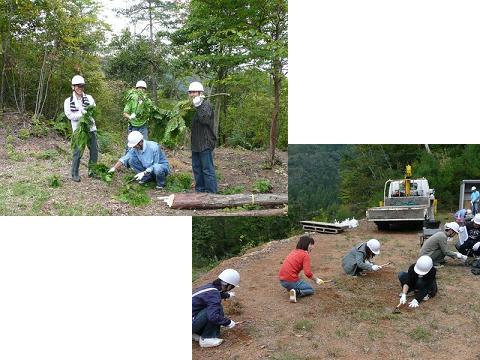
(471, 246)
(207, 309)
(421, 279)
(146, 158)
(360, 256)
(436, 246)
(296, 261)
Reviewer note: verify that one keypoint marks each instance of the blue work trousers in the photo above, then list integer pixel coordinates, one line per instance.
(159, 173)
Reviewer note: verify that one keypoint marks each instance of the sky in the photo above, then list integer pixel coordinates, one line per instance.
(117, 22)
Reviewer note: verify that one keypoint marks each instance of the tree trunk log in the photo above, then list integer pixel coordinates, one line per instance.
(266, 212)
(213, 201)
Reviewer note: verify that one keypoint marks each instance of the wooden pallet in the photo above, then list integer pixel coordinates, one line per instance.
(321, 227)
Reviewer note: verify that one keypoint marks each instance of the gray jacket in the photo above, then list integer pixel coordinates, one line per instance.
(356, 259)
(436, 242)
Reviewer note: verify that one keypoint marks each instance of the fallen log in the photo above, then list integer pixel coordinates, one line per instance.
(214, 201)
(264, 212)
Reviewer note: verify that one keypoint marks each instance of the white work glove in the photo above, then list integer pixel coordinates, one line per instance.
(368, 262)
(231, 293)
(112, 169)
(319, 281)
(197, 101)
(476, 246)
(413, 303)
(376, 267)
(464, 258)
(139, 176)
(231, 325)
(403, 299)
(83, 111)
(132, 116)
(459, 256)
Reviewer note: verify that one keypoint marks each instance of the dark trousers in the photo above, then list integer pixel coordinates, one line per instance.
(466, 248)
(77, 155)
(204, 328)
(421, 287)
(204, 171)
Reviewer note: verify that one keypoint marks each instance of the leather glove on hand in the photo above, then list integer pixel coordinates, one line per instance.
(476, 246)
(197, 101)
(139, 176)
(132, 116)
(231, 325)
(319, 281)
(231, 293)
(403, 299)
(376, 267)
(413, 303)
(112, 169)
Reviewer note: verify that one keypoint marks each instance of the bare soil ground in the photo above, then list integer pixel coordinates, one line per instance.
(24, 177)
(352, 319)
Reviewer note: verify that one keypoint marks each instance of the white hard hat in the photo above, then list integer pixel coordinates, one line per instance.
(195, 86)
(78, 80)
(134, 138)
(141, 83)
(230, 276)
(423, 265)
(476, 219)
(453, 226)
(374, 246)
(474, 188)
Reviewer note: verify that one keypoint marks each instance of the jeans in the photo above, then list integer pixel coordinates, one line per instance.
(421, 286)
(204, 171)
(77, 155)
(160, 171)
(204, 328)
(475, 208)
(142, 129)
(302, 288)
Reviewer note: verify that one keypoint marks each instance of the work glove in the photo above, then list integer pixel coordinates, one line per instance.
(231, 325)
(459, 256)
(139, 176)
(476, 246)
(132, 116)
(231, 293)
(319, 281)
(112, 169)
(464, 258)
(368, 262)
(376, 267)
(403, 299)
(197, 101)
(413, 303)
(83, 111)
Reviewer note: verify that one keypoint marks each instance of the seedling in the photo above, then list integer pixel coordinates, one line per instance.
(262, 186)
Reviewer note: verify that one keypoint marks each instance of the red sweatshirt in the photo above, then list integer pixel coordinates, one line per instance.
(293, 264)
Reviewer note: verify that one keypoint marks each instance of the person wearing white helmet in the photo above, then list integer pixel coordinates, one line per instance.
(203, 139)
(474, 199)
(146, 158)
(134, 109)
(471, 246)
(207, 309)
(360, 258)
(419, 279)
(74, 108)
(436, 246)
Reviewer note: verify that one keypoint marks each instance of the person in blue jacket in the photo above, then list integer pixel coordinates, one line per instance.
(207, 309)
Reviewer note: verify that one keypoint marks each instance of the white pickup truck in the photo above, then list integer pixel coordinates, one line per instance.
(400, 207)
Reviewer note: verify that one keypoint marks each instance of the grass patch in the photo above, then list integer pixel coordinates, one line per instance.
(178, 182)
(304, 324)
(101, 170)
(23, 133)
(54, 181)
(28, 193)
(10, 139)
(262, 186)
(132, 194)
(46, 154)
(374, 334)
(13, 154)
(420, 334)
(341, 333)
(235, 308)
(233, 189)
(287, 356)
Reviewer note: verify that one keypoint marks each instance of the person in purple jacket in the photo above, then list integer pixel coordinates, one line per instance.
(207, 309)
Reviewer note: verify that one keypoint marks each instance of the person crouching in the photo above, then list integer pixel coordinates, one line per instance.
(420, 278)
(359, 258)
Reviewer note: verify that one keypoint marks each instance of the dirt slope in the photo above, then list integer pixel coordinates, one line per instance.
(352, 319)
(24, 177)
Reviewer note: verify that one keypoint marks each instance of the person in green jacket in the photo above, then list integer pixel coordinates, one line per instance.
(436, 246)
(134, 109)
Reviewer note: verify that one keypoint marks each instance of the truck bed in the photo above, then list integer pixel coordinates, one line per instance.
(397, 213)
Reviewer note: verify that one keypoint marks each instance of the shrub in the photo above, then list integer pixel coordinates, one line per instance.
(233, 189)
(262, 186)
(178, 182)
(54, 181)
(24, 133)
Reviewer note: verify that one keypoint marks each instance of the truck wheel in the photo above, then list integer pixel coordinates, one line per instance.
(382, 225)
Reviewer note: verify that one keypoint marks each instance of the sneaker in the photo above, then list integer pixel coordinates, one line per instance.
(195, 337)
(293, 296)
(210, 342)
(92, 174)
(158, 187)
(426, 297)
(76, 178)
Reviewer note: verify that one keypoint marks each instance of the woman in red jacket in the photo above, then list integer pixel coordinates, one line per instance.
(296, 261)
